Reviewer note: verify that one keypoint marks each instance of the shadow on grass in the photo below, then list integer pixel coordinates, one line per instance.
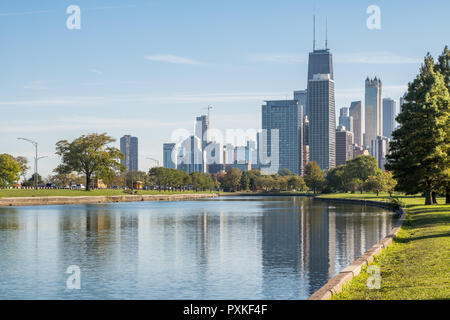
(431, 236)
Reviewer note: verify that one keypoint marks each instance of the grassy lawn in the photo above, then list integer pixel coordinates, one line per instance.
(417, 264)
(73, 193)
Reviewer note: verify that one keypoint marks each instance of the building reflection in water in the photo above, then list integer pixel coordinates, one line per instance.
(229, 248)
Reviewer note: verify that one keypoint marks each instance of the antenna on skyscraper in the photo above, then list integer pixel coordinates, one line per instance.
(314, 32)
(326, 33)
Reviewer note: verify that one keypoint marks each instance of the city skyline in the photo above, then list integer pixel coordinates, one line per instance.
(70, 93)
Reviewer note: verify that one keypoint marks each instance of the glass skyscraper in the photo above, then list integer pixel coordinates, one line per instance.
(169, 155)
(129, 147)
(286, 116)
(322, 121)
(374, 110)
(388, 117)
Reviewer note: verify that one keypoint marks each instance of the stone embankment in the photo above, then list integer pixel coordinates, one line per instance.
(39, 201)
(335, 284)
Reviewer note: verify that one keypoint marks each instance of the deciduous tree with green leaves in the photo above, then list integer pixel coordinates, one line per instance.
(88, 155)
(314, 176)
(9, 170)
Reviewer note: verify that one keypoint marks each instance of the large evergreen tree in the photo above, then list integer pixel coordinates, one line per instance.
(419, 150)
(443, 66)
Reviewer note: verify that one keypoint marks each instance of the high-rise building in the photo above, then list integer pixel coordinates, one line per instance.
(285, 116)
(190, 155)
(202, 130)
(356, 112)
(169, 155)
(374, 110)
(214, 157)
(345, 119)
(379, 149)
(129, 147)
(388, 117)
(302, 96)
(344, 145)
(322, 120)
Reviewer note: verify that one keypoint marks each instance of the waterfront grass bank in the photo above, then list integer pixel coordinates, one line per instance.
(417, 264)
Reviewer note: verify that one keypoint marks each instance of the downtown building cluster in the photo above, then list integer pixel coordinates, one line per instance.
(297, 131)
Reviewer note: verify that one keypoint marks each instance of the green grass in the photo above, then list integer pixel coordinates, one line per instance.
(74, 193)
(417, 264)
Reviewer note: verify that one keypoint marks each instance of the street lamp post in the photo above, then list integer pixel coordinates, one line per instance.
(35, 144)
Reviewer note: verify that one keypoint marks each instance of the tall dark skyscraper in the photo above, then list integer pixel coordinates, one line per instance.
(286, 116)
(129, 147)
(321, 107)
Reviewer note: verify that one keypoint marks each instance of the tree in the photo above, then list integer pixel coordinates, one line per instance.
(88, 155)
(63, 179)
(22, 161)
(354, 185)
(9, 171)
(360, 168)
(296, 183)
(31, 182)
(285, 172)
(232, 180)
(336, 179)
(443, 67)
(313, 176)
(245, 181)
(419, 158)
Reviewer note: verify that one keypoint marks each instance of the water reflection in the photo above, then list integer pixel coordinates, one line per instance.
(229, 248)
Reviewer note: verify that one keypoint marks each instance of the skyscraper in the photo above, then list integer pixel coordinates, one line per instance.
(129, 147)
(322, 120)
(356, 111)
(321, 106)
(169, 156)
(345, 119)
(374, 110)
(388, 117)
(190, 155)
(286, 116)
(202, 130)
(379, 149)
(302, 96)
(344, 145)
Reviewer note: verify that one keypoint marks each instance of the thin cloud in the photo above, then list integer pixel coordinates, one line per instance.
(88, 123)
(170, 58)
(96, 71)
(92, 101)
(6, 14)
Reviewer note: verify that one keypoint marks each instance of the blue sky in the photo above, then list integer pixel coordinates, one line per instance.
(147, 68)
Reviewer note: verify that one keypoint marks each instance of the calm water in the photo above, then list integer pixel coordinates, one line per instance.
(227, 248)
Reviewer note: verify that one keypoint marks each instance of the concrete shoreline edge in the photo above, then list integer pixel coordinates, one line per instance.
(61, 200)
(336, 283)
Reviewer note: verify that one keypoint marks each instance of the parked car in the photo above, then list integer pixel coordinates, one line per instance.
(80, 187)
